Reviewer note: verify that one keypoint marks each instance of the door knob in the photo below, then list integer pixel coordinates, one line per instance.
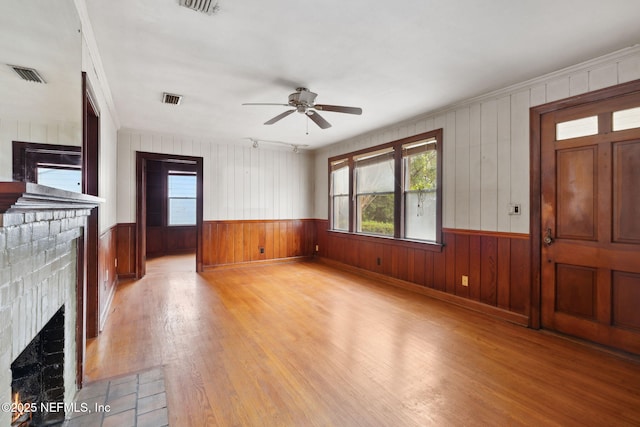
(548, 240)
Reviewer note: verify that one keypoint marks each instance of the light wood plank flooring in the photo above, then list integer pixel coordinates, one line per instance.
(302, 344)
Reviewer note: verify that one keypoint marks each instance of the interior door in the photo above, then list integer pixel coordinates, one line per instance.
(590, 221)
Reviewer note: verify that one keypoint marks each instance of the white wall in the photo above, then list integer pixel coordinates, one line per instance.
(240, 182)
(486, 143)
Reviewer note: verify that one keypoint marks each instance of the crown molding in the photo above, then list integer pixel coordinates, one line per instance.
(96, 60)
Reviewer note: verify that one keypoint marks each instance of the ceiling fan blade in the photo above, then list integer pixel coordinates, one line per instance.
(279, 117)
(317, 118)
(265, 103)
(338, 109)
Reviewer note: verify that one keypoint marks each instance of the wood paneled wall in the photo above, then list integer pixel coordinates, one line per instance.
(239, 182)
(497, 264)
(107, 275)
(171, 240)
(486, 144)
(126, 250)
(233, 242)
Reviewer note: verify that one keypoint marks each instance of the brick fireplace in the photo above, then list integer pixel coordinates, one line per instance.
(40, 230)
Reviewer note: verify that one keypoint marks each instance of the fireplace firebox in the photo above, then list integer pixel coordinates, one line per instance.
(37, 381)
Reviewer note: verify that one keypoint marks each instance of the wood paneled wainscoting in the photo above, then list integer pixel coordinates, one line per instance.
(169, 240)
(245, 241)
(497, 266)
(107, 275)
(126, 250)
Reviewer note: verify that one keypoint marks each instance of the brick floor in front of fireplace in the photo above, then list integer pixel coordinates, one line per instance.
(134, 400)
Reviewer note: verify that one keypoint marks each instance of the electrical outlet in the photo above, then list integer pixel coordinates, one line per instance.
(379, 261)
(515, 209)
(465, 280)
(261, 250)
(317, 248)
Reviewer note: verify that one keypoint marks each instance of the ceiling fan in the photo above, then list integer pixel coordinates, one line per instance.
(302, 101)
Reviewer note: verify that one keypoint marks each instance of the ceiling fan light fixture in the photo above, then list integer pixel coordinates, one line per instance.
(303, 101)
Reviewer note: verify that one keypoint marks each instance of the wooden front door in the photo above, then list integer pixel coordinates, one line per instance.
(590, 221)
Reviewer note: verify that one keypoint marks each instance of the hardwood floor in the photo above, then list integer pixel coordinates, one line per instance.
(301, 344)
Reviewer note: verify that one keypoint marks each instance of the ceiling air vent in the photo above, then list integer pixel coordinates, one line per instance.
(169, 98)
(205, 6)
(28, 74)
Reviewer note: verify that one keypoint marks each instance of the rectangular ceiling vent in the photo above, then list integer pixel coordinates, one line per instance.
(28, 74)
(170, 98)
(205, 6)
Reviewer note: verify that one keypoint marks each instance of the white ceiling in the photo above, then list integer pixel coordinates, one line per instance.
(44, 36)
(395, 59)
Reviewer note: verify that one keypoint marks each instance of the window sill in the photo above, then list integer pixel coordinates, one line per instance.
(407, 243)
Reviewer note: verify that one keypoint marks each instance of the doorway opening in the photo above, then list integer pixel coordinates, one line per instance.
(169, 208)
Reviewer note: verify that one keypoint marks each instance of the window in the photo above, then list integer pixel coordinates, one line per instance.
(420, 162)
(396, 189)
(626, 119)
(374, 177)
(339, 194)
(181, 197)
(577, 128)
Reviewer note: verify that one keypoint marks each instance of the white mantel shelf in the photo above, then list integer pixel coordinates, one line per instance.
(22, 197)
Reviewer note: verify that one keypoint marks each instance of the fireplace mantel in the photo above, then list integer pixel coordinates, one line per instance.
(21, 197)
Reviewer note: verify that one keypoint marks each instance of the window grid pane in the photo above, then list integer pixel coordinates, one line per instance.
(577, 128)
(375, 213)
(182, 211)
(182, 185)
(375, 178)
(420, 215)
(626, 119)
(375, 197)
(420, 183)
(340, 182)
(341, 213)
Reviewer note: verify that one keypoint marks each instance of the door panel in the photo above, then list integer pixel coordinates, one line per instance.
(590, 220)
(576, 290)
(626, 194)
(626, 294)
(577, 197)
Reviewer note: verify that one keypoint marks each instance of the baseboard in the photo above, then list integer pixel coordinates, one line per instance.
(258, 262)
(107, 306)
